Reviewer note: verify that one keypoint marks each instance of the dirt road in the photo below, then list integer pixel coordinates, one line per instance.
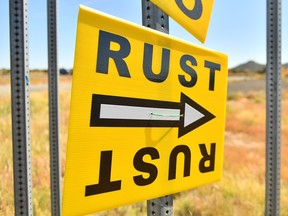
(235, 84)
(5, 89)
(246, 85)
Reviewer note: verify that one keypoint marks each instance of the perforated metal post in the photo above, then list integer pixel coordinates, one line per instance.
(160, 206)
(53, 78)
(273, 108)
(154, 18)
(20, 97)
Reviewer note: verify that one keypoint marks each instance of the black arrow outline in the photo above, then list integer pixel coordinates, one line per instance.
(207, 115)
(97, 100)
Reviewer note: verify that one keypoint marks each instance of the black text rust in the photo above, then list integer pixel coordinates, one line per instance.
(188, 63)
(106, 184)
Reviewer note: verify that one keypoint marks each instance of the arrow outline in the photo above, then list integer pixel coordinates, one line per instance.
(207, 115)
(98, 99)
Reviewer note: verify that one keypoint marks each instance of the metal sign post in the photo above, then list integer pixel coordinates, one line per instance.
(53, 108)
(20, 97)
(273, 108)
(154, 18)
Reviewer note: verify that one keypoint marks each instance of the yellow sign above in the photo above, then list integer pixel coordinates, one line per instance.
(147, 115)
(193, 15)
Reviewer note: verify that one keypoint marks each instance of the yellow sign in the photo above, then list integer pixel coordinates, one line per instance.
(147, 115)
(193, 15)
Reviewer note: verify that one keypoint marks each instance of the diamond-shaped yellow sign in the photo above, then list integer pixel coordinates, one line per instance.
(193, 15)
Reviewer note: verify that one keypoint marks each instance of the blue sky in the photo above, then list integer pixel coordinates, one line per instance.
(237, 28)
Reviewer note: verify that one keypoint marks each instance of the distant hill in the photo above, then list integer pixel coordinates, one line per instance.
(250, 66)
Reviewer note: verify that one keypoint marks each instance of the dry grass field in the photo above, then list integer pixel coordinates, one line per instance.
(241, 191)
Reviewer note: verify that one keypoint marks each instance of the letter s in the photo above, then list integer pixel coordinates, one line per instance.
(195, 13)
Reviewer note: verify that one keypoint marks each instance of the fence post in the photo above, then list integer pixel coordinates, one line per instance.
(20, 97)
(53, 78)
(273, 108)
(154, 18)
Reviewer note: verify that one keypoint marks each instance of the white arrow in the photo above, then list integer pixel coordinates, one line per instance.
(113, 111)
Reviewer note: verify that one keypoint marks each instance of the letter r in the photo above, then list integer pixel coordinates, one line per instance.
(105, 53)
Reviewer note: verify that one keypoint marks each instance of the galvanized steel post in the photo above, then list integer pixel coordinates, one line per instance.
(53, 78)
(20, 98)
(273, 108)
(154, 18)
